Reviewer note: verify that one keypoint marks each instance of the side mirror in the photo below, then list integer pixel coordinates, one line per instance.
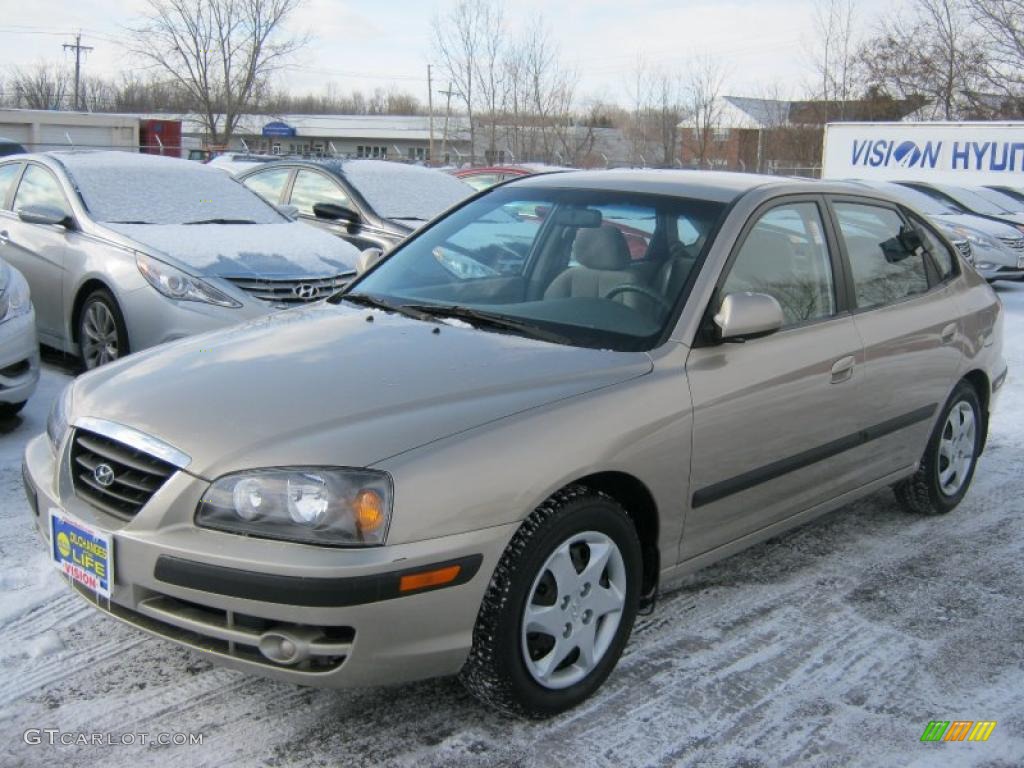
(44, 214)
(367, 259)
(746, 315)
(288, 211)
(335, 212)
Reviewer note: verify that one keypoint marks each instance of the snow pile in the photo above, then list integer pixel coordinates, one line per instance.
(120, 186)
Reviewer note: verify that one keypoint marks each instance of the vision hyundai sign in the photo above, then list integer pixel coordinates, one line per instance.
(957, 153)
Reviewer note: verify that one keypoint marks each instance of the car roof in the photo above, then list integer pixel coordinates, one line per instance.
(720, 186)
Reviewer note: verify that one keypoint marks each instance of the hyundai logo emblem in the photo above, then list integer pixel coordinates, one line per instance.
(104, 475)
(306, 291)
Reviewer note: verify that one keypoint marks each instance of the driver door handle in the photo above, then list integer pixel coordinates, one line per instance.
(4, 237)
(949, 333)
(842, 369)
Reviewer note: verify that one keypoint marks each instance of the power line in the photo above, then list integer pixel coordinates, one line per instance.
(78, 48)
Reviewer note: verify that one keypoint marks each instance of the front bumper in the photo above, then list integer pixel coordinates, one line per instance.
(189, 585)
(19, 358)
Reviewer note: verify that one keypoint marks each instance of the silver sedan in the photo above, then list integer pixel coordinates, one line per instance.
(126, 251)
(19, 350)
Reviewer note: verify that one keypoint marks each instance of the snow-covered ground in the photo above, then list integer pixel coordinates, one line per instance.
(833, 645)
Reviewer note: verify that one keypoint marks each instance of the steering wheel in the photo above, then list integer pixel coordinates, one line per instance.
(654, 296)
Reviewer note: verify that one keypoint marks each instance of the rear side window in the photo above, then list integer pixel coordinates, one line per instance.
(8, 175)
(39, 187)
(785, 256)
(884, 267)
(269, 185)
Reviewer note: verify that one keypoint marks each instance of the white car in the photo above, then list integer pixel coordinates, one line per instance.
(19, 349)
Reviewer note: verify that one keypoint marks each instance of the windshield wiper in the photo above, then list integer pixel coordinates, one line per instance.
(222, 221)
(366, 300)
(128, 222)
(487, 320)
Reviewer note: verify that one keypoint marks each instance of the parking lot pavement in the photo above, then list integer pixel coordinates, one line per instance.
(834, 644)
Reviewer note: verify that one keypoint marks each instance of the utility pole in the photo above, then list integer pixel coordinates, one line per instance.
(447, 113)
(78, 48)
(430, 109)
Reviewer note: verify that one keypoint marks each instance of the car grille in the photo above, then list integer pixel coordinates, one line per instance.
(133, 478)
(292, 292)
(1017, 243)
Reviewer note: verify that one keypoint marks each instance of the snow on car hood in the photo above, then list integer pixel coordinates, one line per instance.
(286, 249)
(322, 385)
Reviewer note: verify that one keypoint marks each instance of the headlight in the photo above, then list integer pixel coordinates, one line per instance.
(978, 240)
(14, 294)
(314, 505)
(175, 284)
(57, 422)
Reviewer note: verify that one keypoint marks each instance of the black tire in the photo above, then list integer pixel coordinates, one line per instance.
(922, 492)
(10, 410)
(496, 672)
(98, 301)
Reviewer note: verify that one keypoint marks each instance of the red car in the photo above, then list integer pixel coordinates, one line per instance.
(482, 178)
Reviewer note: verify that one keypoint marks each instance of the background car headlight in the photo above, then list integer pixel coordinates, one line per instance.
(57, 422)
(314, 505)
(175, 284)
(14, 294)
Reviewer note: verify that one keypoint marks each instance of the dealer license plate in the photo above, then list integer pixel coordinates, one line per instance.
(82, 553)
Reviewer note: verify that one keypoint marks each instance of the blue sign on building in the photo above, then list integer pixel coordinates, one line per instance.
(278, 129)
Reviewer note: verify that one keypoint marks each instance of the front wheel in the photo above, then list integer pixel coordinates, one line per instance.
(102, 336)
(949, 461)
(559, 609)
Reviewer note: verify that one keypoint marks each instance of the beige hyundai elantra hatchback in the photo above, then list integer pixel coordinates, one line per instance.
(505, 437)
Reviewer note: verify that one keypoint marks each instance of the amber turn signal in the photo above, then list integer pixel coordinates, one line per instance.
(426, 579)
(368, 507)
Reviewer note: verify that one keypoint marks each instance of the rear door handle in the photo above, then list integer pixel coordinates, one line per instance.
(842, 369)
(949, 333)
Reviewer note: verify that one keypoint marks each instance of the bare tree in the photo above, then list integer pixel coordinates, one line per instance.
(1003, 23)
(834, 52)
(221, 53)
(931, 53)
(41, 87)
(703, 89)
(457, 43)
(668, 112)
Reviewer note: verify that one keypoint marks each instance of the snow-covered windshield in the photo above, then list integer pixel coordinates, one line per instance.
(1000, 199)
(974, 201)
(924, 203)
(397, 191)
(145, 189)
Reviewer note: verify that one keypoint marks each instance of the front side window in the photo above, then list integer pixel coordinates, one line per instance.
(39, 187)
(885, 265)
(268, 184)
(785, 256)
(556, 263)
(311, 187)
(8, 175)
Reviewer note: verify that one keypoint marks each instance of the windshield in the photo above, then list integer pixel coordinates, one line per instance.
(397, 191)
(589, 268)
(118, 187)
(975, 202)
(1001, 199)
(926, 204)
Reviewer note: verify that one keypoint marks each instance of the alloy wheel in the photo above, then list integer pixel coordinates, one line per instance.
(100, 340)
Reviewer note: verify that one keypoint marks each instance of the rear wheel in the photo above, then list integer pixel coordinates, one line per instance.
(102, 336)
(559, 609)
(949, 461)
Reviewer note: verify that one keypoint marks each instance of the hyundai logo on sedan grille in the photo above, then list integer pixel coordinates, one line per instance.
(104, 475)
(306, 292)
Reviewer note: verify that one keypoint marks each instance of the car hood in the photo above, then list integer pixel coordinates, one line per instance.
(285, 250)
(328, 385)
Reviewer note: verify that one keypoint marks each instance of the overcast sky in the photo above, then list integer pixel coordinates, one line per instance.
(380, 43)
